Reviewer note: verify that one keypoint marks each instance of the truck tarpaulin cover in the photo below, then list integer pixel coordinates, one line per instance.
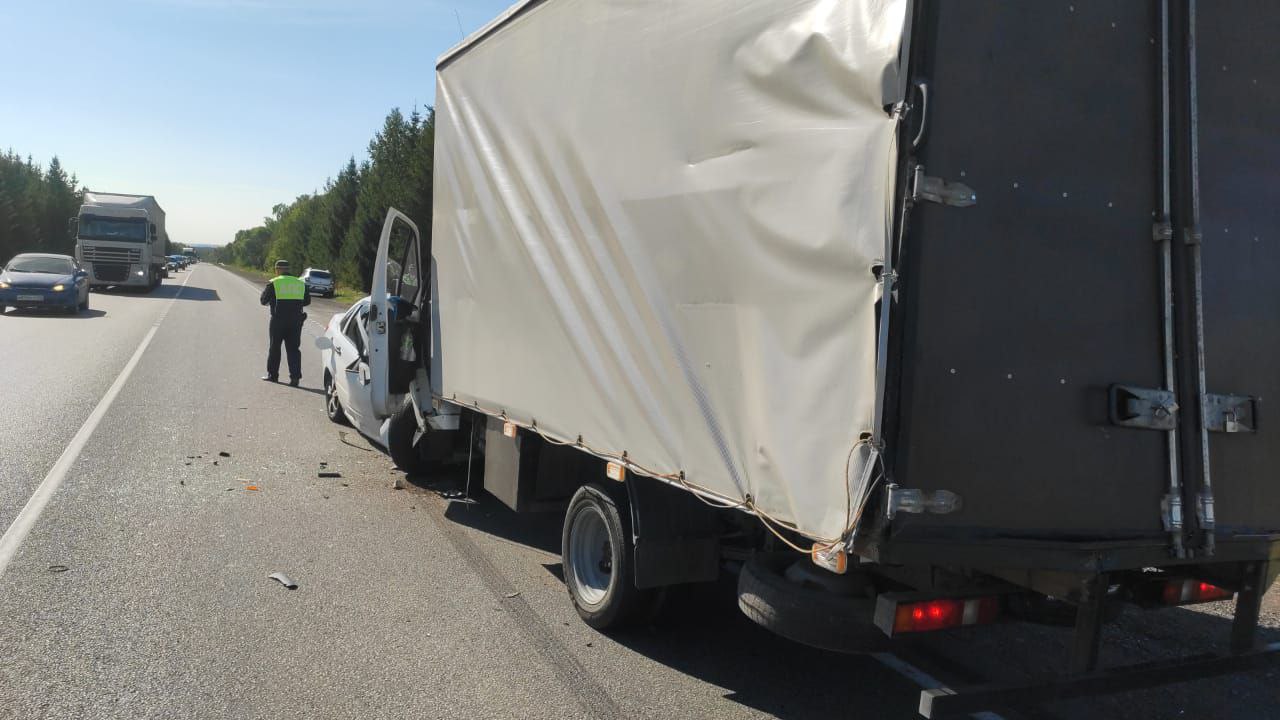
(655, 226)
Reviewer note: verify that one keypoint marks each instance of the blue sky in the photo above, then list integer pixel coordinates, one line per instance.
(219, 108)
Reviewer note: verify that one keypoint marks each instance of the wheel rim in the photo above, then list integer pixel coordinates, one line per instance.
(590, 557)
(331, 400)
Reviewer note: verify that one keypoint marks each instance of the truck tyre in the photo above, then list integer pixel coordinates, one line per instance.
(598, 560)
(804, 613)
(406, 456)
(332, 406)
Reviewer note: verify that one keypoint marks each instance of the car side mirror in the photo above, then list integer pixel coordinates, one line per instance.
(80, 274)
(324, 342)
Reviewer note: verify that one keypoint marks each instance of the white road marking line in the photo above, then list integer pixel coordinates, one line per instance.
(923, 679)
(21, 526)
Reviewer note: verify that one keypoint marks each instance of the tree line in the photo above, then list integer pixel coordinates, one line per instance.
(337, 228)
(35, 204)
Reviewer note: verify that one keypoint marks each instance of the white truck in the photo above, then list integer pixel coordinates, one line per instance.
(120, 239)
(915, 316)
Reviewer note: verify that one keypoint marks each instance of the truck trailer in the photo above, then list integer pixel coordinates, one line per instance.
(915, 314)
(121, 240)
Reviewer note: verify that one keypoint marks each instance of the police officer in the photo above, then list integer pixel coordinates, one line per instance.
(287, 295)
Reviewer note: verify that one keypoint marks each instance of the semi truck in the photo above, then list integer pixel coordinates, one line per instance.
(121, 240)
(915, 315)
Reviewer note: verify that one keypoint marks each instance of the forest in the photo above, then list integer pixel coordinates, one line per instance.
(35, 205)
(337, 227)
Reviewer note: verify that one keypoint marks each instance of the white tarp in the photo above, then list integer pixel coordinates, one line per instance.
(654, 228)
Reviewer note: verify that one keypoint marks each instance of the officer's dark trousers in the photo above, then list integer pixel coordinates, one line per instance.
(289, 333)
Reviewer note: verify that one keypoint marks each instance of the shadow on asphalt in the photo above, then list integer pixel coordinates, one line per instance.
(166, 292)
(89, 314)
(700, 632)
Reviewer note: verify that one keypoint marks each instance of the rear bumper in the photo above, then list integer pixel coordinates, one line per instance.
(952, 703)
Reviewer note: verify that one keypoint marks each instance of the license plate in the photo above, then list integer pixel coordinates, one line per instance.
(30, 298)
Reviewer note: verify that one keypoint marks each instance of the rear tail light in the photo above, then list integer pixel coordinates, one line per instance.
(1188, 592)
(897, 615)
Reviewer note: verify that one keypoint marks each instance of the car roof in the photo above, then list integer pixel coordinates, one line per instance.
(43, 255)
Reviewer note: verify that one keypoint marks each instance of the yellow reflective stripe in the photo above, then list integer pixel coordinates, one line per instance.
(289, 288)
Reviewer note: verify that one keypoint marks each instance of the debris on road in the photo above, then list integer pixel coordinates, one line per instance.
(398, 484)
(223, 453)
(58, 568)
(342, 436)
(251, 488)
(329, 474)
(512, 595)
(283, 580)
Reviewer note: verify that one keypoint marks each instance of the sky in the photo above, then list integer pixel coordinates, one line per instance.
(219, 108)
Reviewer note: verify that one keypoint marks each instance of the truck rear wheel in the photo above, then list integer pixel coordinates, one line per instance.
(598, 557)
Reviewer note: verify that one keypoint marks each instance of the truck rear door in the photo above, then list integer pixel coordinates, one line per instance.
(1029, 314)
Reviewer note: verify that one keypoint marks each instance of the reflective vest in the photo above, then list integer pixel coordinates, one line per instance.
(288, 287)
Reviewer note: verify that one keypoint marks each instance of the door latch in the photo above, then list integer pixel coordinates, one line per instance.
(1143, 408)
(1151, 409)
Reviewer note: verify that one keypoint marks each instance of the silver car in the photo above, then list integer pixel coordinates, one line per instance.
(319, 282)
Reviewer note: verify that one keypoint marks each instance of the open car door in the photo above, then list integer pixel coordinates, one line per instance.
(395, 297)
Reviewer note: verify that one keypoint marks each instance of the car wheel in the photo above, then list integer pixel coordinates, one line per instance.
(400, 446)
(333, 406)
(598, 561)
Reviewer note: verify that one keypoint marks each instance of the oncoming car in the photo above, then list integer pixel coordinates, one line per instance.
(319, 282)
(39, 280)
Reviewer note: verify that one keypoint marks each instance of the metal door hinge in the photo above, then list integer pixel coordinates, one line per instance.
(911, 500)
(933, 189)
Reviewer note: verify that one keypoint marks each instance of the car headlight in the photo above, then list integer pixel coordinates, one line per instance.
(4, 285)
(59, 288)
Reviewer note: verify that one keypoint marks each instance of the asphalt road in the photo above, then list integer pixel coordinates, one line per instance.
(141, 591)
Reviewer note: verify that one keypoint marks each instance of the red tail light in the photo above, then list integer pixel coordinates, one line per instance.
(1187, 592)
(935, 614)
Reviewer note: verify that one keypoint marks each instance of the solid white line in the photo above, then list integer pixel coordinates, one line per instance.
(21, 526)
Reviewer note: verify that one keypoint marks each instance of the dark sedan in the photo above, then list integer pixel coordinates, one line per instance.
(38, 280)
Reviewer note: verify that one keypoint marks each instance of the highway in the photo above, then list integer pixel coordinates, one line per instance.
(150, 483)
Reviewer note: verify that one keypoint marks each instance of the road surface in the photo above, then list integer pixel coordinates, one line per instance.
(174, 482)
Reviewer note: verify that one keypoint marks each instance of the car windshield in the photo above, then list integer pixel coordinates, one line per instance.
(93, 227)
(47, 265)
(318, 275)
